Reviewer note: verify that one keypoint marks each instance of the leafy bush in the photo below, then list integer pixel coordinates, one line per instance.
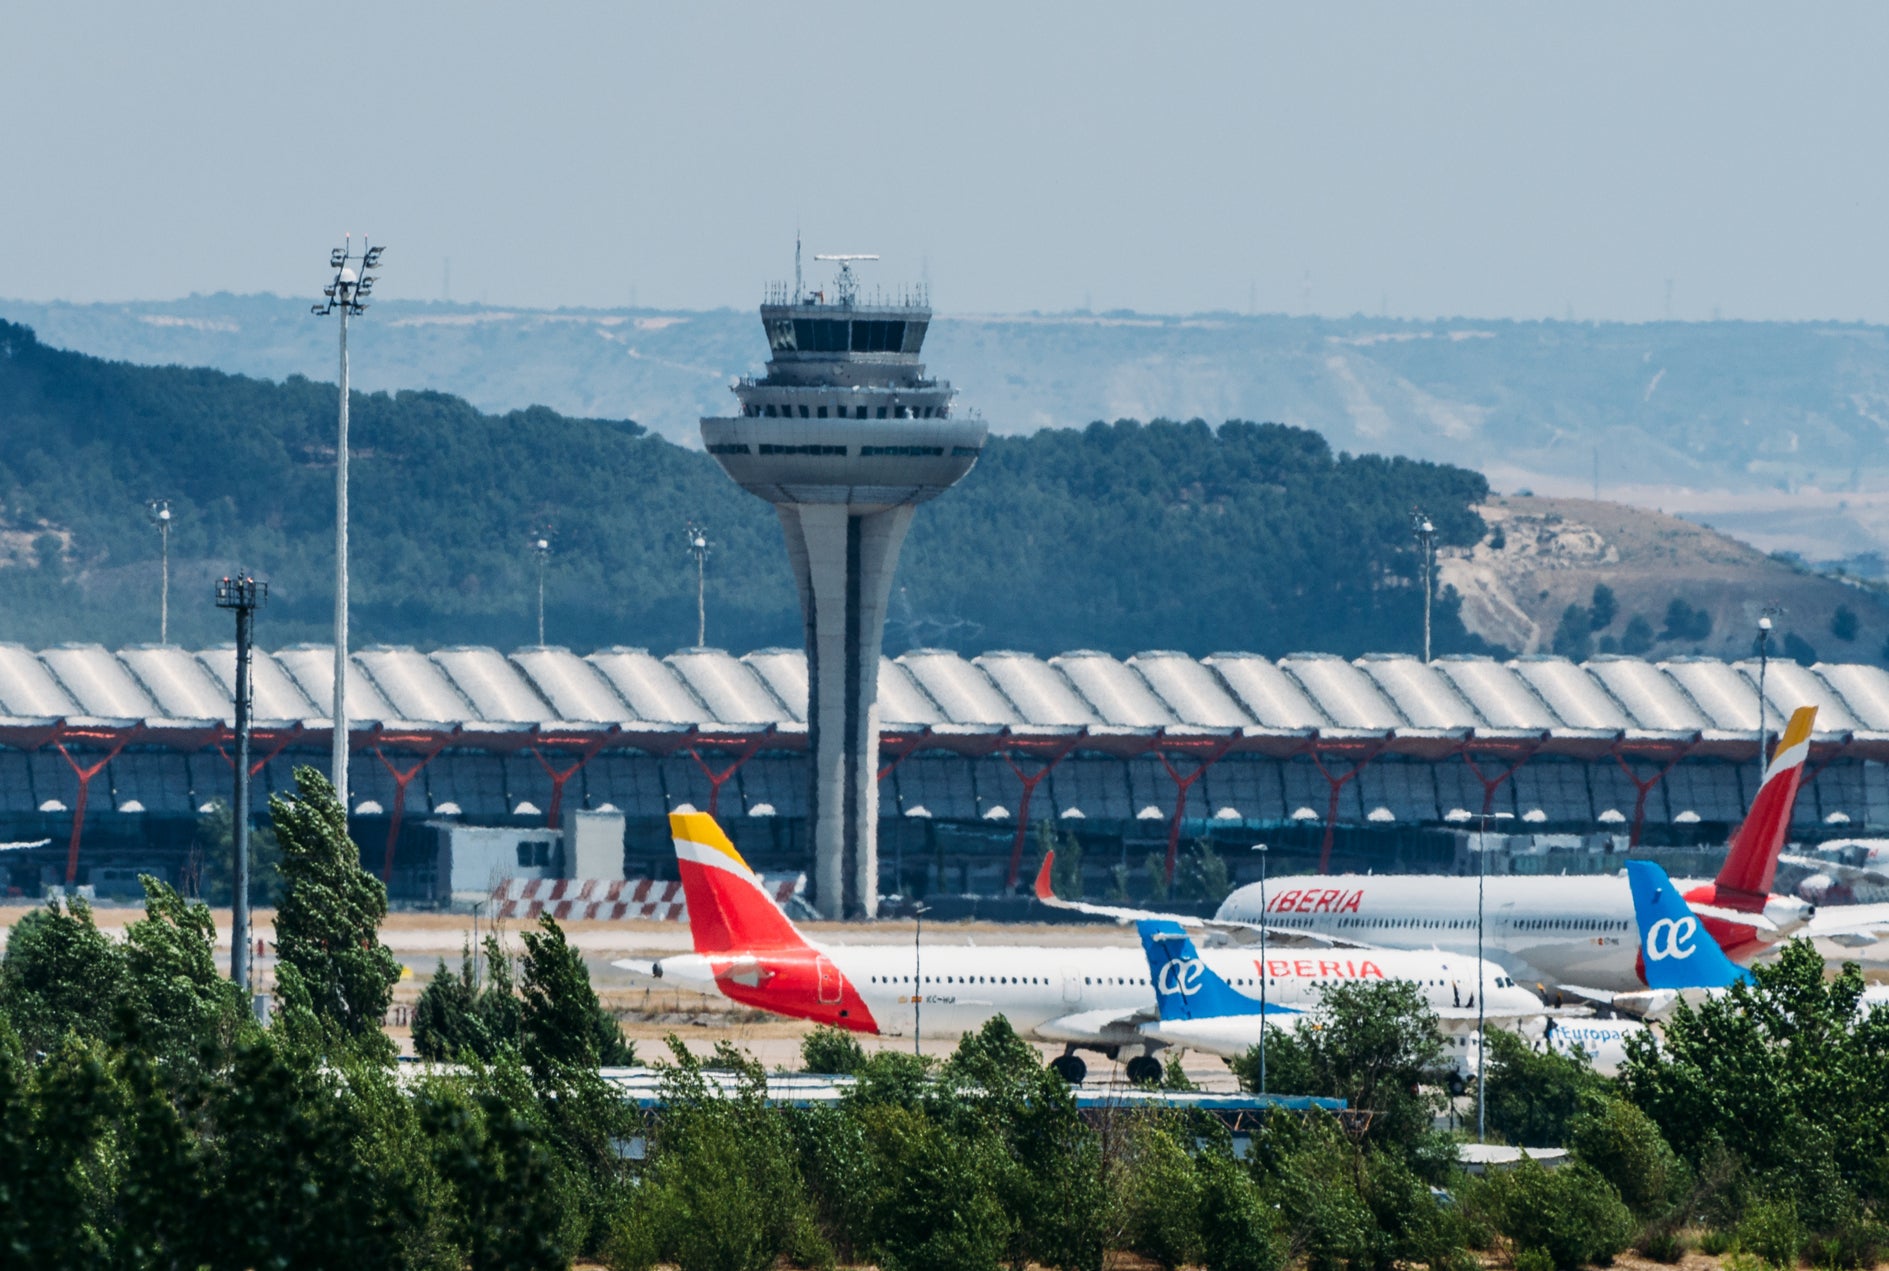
(1624, 1145)
(1532, 1097)
(1772, 1230)
(1571, 1214)
(832, 1050)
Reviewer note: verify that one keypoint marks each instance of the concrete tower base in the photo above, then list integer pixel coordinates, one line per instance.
(843, 561)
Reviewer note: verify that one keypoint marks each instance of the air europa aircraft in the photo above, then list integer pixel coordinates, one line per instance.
(1083, 998)
(1554, 933)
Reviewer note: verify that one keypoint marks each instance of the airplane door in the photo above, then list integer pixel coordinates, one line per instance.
(829, 981)
(1072, 986)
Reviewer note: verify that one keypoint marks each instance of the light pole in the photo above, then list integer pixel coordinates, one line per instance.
(1482, 1049)
(698, 547)
(1265, 968)
(1425, 531)
(1764, 649)
(160, 512)
(245, 595)
(918, 975)
(543, 548)
(346, 295)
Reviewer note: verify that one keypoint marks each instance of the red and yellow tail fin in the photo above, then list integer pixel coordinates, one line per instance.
(1751, 864)
(729, 910)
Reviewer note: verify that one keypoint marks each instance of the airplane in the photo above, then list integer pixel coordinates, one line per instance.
(1548, 932)
(1200, 1010)
(1083, 998)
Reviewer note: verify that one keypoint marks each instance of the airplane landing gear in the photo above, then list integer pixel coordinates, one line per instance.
(1144, 1070)
(1070, 1068)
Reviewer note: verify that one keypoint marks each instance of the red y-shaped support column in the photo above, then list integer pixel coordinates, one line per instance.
(402, 777)
(1337, 785)
(717, 779)
(1182, 784)
(1645, 787)
(280, 743)
(585, 753)
(85, 775)
(1491, 784)
(1030, 781)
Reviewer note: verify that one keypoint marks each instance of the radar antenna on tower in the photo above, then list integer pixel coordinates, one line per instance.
(846, 286)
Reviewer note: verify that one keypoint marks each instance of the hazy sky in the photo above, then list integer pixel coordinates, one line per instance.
(1421, 159)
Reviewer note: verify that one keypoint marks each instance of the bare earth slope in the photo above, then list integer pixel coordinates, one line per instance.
(1543, 555)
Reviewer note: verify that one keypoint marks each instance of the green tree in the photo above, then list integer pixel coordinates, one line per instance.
(1603, 608)
(328, 928)
(1799, 650)
(186, 1014)
(724, 1191)
(1625, 1147)
(1844, 624)
(1786, 1075)
(456, 1014)
(1683, 622)
(212, 854)
(831, 1050)
(1638, 637)
(61, 975)
(504, 1179)
(1532, 1097)
(564, 1025)
(1571, 1214)
(1574, 637)
(1373, 1043)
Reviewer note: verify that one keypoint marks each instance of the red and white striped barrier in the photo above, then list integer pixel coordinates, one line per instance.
(645, 899)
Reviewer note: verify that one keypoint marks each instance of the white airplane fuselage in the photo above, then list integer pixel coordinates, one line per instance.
(1544, 931)
(1084, 996)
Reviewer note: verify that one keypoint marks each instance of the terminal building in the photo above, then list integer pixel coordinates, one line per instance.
(471, 765)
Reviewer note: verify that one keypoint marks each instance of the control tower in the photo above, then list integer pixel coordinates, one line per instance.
(845, 436)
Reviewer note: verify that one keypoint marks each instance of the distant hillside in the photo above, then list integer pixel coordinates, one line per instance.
(1117, 536)
(1543, 556)
(1771, 431)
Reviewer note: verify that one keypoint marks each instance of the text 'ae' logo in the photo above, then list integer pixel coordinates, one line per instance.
(1671, 938)
(1182, 976)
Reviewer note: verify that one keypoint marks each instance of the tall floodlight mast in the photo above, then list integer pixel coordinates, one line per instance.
(845, 436)
(698, 548)
(347, 296)
(160, 510)
(541, 546)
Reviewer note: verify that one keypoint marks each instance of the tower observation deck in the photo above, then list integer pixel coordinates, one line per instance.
(845, 436)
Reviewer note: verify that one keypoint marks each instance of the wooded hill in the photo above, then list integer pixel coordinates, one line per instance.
(1118, 536)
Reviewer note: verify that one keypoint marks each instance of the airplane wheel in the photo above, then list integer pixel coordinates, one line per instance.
(1070, 1068)
(1144, 1070)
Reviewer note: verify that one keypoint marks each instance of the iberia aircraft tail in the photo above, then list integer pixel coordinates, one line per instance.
(1751, 865)
(729, 910)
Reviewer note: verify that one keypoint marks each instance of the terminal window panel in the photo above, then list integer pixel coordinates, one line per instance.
(1408, 790)
(1457, 787)
(940, 783)
(777, 781)
(1612, 790)
(52, 777)
(630, 782)
(1559, 789)
(1876, 792)
(1095, 786)
(1712, 790)
(1839, 788)
(475, 782)
(156, 779)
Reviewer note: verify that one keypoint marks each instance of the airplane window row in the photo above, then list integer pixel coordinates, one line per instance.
(962, 979)
(1571, 924)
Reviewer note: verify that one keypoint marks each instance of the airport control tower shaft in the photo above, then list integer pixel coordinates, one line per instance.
(844, 435)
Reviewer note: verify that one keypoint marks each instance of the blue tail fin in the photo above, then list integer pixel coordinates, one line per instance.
(1184, 985)
(1676, 950)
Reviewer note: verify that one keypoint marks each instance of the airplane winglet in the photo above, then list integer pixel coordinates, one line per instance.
(1044, 892)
